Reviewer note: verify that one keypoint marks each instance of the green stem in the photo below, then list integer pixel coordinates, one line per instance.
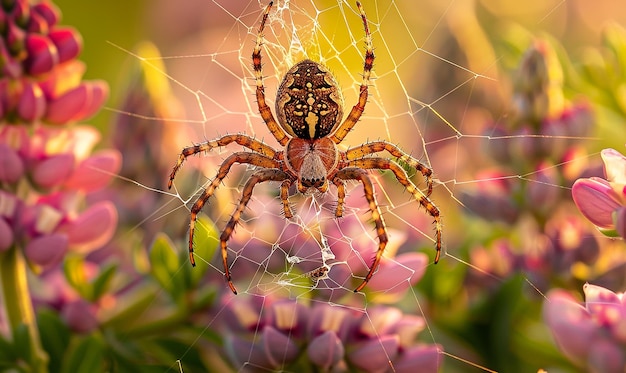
(18, 304)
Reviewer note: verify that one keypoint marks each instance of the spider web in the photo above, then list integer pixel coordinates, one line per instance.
(314, 258)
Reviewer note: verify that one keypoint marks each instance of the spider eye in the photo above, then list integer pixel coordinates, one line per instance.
(309, 103)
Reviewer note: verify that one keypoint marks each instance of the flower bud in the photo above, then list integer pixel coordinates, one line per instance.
(96, 171)
(427, 358)
(279, 348)
(374, 355)
(596, 200)
(32, 103)
(11, 165)
(78, 103)
(614, 166)
(325, 350)
(42, 54)
(93, 228)
(67, 41)
(47, 11)
(46, 250)
(570, 324)
(80, 316)
(54, 170)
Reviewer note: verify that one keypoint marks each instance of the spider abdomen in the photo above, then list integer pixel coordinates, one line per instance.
(308, 102)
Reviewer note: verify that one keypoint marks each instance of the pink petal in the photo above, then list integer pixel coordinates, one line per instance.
(93, 228)
(279, 348)
(67, 106)
(244, 352)
(289, 316)
(604, 305)
(614, 166)
(380, 320)
(32, 103)
(68, 42)
(98, 92)
(42, 54)
(397, 275)
(606, 357)
(78, 103)
(46, 250)
(596, 200)
(11, 165)
(325, 350)
(96, 171)
(325, 317)
(408, 328)
(427, 358)
(37, 24)
(54, 170)
(570, 324)
(620, 222)
(48, 11)
(375, 355)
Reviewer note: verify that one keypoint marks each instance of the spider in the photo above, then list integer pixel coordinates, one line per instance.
(309, 107)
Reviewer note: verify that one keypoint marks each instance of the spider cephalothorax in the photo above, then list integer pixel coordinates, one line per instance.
(309, 108)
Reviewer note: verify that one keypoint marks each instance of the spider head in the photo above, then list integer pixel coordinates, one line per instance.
(308, 102)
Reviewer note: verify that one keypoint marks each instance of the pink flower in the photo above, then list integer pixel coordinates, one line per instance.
(594, 335)
(271, 334)
(603, 202)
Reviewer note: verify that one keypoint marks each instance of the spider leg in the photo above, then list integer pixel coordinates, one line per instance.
(258, 177)
(401, 176)
(341, 196)
(241, 139)
(355, 173)
(357, 109)
(240, 157)
(284, 197)
(379, 146)
(264, 110)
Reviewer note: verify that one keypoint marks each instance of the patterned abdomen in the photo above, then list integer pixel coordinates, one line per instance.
(308, 103)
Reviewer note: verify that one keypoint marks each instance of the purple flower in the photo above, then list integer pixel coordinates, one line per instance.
(271, 334)
(603, 202)
(592, 336)
(47, 171)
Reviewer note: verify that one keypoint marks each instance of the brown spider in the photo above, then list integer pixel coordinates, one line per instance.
(309, 106)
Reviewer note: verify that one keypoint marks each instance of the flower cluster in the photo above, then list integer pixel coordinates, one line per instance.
(536, 152)
(603, 201)
(592, 336)
(273, 334)
(46, 170)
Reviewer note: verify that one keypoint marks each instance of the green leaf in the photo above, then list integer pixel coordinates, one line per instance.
(102, 283)
(164, 262)
(87, 355)
(21, 337)
(7, 353)
(55, 337)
